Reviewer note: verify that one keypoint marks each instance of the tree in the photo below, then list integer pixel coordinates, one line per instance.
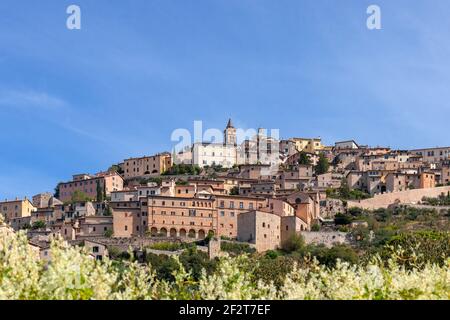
(294, 243)
(322, 165)
(115, 168)
(304, 158)
(344, 189)
(100, 192)
(183, 169)
(80, 196)
(157, 180)
(341, 219)
(108, 233)
(419, 247)
(38, 225)
(234, 191)
(56, 193)
(108, 211)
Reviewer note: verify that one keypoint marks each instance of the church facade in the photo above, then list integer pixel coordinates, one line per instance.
(260, 149)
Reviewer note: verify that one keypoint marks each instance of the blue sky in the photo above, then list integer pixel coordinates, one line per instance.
(78, 101)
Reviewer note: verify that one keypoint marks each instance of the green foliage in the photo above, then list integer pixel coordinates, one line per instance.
(26, 226)
(442, 200)
(272, 254)
(345, 193)
(355, 211)
(56, 193)
(108, 212)
(99, 192)
(294, 243)
(183, 169)
(418, 248)
(157, 180)
(170, 246)
(303, 158)
(193, 260)
(208, 237)
(74, 275)
(163, 265)
(80, 196)
(115, 168)
(108, 233)
(344, 190)
(196, 261)
(329, 256)
(215, 168)
(322, 164)
(234, 191)
(236, 248)
(342, 219)
(275, 268)
(38, 225)
(114, 252)
(315, 227)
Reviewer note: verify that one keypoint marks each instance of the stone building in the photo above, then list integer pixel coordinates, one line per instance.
(16, 209)
(106, 181)
(261, 229)
(146, 166)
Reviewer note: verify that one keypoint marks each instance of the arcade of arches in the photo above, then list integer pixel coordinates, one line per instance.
(180, 233)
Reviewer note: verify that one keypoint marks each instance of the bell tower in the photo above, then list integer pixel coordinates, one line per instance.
(229, 134)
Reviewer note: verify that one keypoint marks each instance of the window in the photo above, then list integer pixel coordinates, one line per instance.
(222, 213)
(232, 214)
(241, 205)
(95, 249)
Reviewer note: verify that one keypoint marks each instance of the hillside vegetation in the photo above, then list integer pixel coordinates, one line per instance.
(72, 274)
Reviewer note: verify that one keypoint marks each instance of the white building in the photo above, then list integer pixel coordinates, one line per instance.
(208, 154)
(350, 144)
(433, 155)
(260, 149)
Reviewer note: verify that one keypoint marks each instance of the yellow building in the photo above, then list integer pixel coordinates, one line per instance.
(11, 209)
(147, 165)
(310, 145)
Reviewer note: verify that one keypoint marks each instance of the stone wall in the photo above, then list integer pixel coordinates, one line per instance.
(406, 197)
(326, 238)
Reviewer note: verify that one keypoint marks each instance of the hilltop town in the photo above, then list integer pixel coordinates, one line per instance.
(259, 192)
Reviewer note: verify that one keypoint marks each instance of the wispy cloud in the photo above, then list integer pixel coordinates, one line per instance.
(59, 113)
(31, 100)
